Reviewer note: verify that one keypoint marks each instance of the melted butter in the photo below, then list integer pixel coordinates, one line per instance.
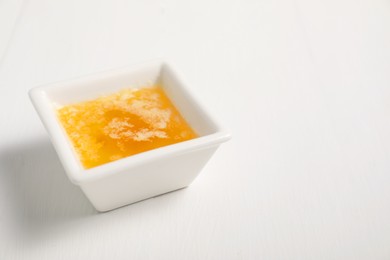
(123, 124)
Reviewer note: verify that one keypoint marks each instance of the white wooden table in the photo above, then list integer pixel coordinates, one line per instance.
(303, 84)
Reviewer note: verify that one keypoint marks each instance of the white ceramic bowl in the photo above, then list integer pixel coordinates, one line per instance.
(139, 176)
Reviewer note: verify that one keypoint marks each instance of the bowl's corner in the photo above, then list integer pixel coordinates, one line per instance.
(74, 177)
(224, 135)
(32, 93)
(35, 95)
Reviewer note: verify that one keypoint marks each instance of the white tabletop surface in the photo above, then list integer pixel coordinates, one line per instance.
(304, 85)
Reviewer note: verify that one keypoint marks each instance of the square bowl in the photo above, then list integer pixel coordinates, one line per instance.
(139, 176)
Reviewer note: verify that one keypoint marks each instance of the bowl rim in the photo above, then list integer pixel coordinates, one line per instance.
(65, 150)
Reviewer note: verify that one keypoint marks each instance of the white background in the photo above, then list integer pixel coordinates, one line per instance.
(304, 85)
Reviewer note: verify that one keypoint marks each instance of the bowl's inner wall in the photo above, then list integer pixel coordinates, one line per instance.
(184, 102)
(94, 86)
